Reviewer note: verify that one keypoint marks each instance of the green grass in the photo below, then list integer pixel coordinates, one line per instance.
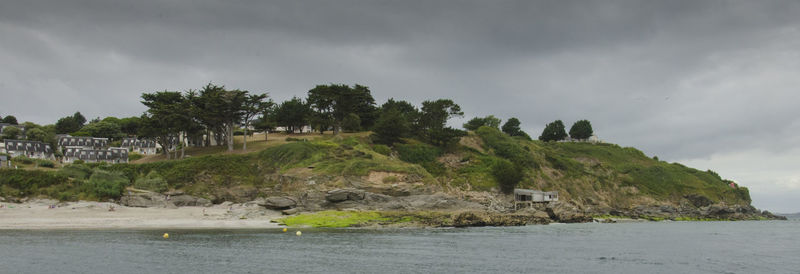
(334, 219)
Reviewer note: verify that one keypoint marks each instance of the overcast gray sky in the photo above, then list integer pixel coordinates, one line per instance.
(712, 84)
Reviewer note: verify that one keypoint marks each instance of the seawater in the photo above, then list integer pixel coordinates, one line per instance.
(654, 247)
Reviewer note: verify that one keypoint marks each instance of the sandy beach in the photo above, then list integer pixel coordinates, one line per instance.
(50, 214)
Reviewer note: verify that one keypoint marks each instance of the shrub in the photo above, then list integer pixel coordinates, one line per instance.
(23, 159)
(418, 153)
(152, 181)
(135, 156)
(507, 175)
(506, 147)
(105, 184)
(76, 171)
(45, 163)
(382, 149)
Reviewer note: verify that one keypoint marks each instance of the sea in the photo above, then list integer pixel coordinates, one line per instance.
(650, 247)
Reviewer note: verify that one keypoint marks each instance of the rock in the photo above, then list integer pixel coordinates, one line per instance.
(277, 202)
(174, 192)
(566, 213)
(188, 200)
(698, 200)
(291, 211)
(340, 195)
(769, 215)
(145, 199)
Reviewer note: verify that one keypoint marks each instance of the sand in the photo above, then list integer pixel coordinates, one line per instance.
(37, 214)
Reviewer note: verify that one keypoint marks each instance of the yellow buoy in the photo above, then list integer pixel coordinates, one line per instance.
(284, 229)
(299, 233)
(166, 235)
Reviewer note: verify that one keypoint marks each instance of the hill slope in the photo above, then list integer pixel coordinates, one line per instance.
(596, 179)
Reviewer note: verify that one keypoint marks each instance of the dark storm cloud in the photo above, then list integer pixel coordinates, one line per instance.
(678, 79)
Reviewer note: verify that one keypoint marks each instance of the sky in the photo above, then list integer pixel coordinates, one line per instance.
(710, 84)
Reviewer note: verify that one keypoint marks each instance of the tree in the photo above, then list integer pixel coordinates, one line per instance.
(332, 103)
(103, 129)
(351, 123)
(266, 122)
(10, 120)
(553, 132)
(130, 125)
(390, 127)
(293, 114)
(581, 130)
(507, 175)
(36, 134)
(511, 127)
(11, 133)
(164, 117)
(433, 122)
(79, 118)
(67, 125)
(478, 122)
(253, 105)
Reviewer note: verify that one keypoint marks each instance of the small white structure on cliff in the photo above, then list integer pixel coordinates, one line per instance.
(528, 197)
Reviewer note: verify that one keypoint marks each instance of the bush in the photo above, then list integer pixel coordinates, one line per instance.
(76, 171)
(135, 156)
(506, 147)
(382, 149)
(418, 153)
(507, 175)
(46, 163)
(78, 162)
(106, 184)
(23, 159)
(152, 181)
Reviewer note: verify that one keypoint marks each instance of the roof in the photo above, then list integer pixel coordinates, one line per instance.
(526, 191)
(25, 145)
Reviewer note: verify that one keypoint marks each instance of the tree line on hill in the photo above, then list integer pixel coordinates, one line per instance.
(217, 113)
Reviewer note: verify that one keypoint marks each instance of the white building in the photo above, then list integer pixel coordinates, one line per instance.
(82, 141)
(30, 149)
(143, 146)
(114, 155)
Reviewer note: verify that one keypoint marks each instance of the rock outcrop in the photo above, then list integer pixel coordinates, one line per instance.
(277, 202)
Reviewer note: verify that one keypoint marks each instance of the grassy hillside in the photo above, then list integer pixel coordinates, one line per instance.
(592, 174)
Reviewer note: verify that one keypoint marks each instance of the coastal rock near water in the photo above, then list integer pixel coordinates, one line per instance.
(341, 195)
(566, 213)
(277, 202)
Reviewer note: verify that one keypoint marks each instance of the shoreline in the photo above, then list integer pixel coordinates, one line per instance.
(83, 215)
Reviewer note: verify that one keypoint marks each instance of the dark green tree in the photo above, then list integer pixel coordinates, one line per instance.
(390, 127)
(581, 130)
(293, 114)
(507, 175)
(477, 122)
(164, 118)
(10, 120)
(332, 103)
(130, 125)
(79, 119)
(66, 125)
(11, 133)
(253, 105)
(351, 123)
(511, 127)
(433, 122)
(553, 132)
